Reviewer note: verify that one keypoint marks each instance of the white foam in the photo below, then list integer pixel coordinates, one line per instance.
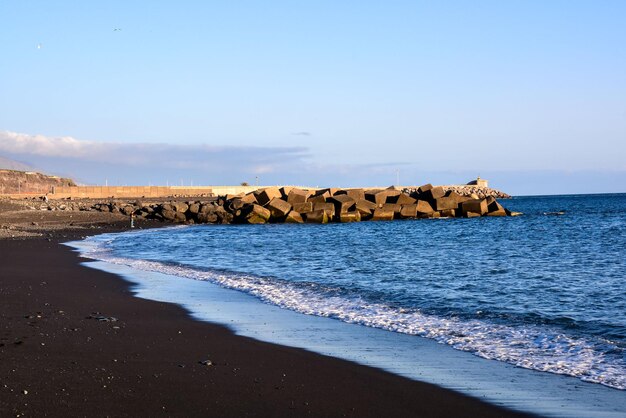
(529, 346)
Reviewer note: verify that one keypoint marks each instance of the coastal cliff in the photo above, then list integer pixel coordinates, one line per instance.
(23, 182)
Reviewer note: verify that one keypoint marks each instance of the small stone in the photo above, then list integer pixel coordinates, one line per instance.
(206, 362)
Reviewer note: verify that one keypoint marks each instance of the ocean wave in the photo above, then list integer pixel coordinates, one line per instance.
(536, 347)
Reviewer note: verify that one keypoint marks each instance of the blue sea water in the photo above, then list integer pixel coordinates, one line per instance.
(540, 291)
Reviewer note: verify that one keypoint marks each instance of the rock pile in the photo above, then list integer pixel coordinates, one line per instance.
(469, 191)
(189, 212)
(293, 205)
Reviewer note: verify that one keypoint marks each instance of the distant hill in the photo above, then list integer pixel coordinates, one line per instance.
(8, 164)
(15, 181)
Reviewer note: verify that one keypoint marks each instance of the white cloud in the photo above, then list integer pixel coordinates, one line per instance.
(262, 159)
(17, 143)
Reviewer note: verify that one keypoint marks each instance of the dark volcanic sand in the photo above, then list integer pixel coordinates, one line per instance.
(55, 361)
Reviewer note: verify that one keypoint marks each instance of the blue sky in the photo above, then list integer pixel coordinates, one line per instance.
(531, 95)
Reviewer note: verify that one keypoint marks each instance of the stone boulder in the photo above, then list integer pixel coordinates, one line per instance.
(168, 214)
(194, 208)
(181, 207)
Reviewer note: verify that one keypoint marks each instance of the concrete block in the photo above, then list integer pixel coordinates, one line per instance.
(404, 199)
(380, 197)
(316, 217)
(356, 194)
(284, 191)
(458, 197)
(424, 188)
(294, 217)
(431, 194)
(424, 207)
(329, 208)
(264, 196)
(278, 208)
(493, 205)
(258, 215)
(365, 208)
(443, 203)
(233, 196)
(408, 211)
(250, 198)
(381, 214)
(320, 198)
(298, 196)
(476, 206)
(343, 203)
(303, 207)
(396, 208)
(350, 217)
(472, 215)
(501, 212)
(448, 213)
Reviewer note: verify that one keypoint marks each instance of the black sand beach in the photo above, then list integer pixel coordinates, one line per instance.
(61, 354)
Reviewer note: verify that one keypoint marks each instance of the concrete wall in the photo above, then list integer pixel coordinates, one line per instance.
(102, 192)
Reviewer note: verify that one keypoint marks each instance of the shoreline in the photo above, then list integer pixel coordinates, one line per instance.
(57, 360)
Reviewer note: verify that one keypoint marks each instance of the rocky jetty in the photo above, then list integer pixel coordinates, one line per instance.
(293, 205)
(276, 205)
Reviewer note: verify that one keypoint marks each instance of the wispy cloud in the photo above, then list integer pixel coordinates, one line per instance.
(303, 133)
(88, 160)
(249, 159)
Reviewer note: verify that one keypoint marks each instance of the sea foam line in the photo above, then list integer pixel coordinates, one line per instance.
(529, 346)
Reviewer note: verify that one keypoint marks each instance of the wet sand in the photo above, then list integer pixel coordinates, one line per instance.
(74, 341)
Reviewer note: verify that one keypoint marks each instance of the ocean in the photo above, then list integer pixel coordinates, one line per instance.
(543, 294)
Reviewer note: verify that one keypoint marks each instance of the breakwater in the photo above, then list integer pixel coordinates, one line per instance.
(295, 205)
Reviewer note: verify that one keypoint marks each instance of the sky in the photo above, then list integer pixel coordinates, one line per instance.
(528, 94)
